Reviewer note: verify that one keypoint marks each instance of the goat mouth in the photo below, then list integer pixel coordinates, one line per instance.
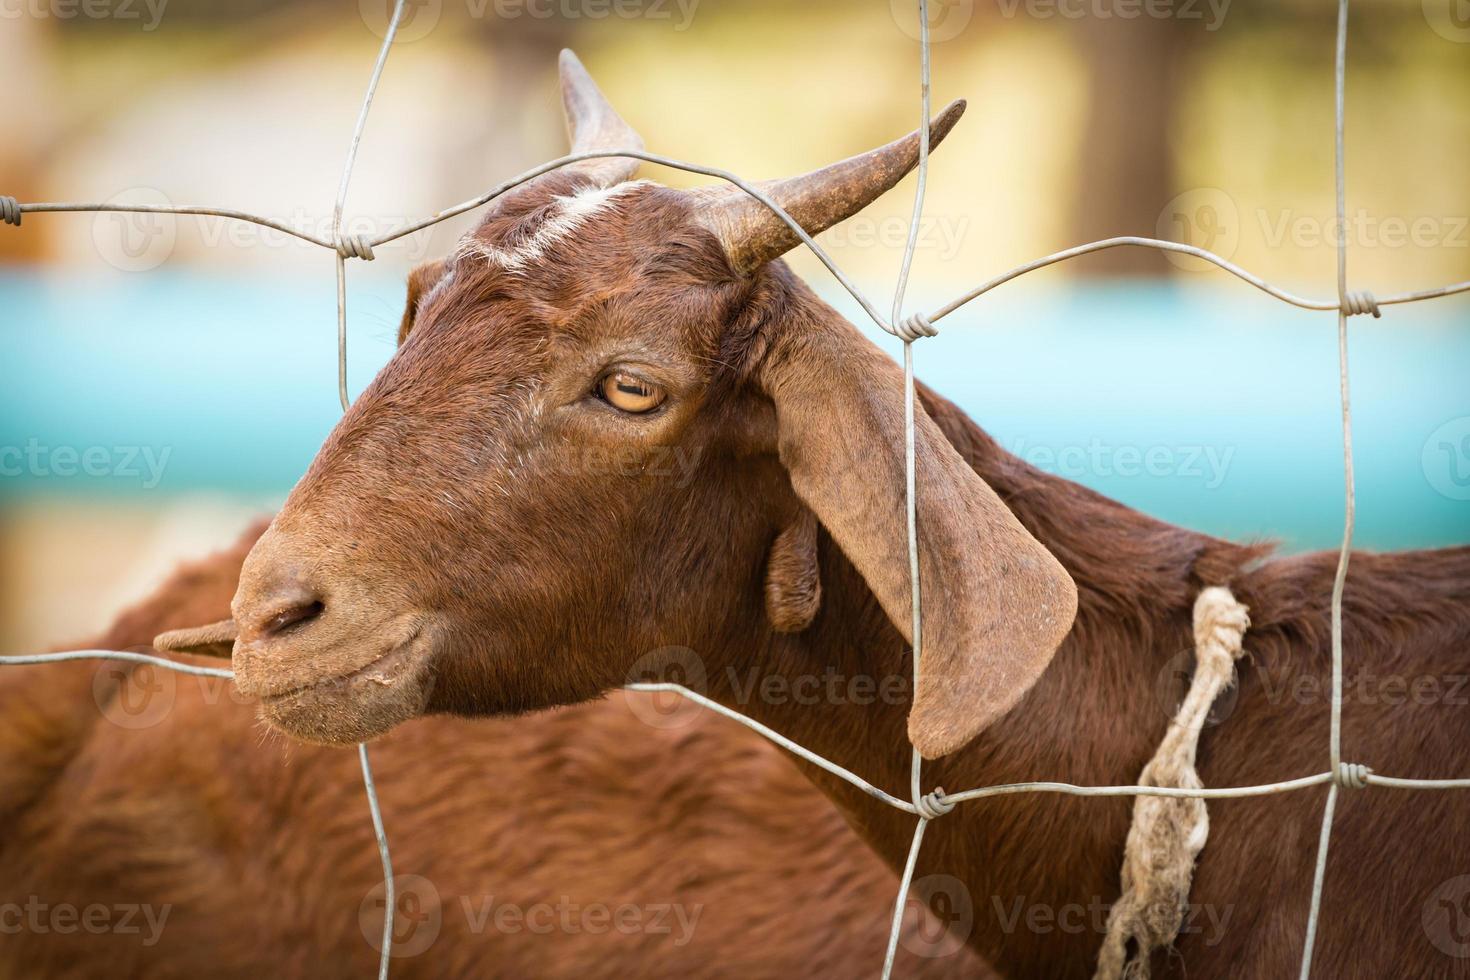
(361, 704)
(391, 668)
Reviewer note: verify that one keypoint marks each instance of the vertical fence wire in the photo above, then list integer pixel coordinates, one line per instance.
(343, 249)
(1339, 579)
(910, 466)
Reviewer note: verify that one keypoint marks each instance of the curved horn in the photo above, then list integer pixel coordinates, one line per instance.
(593, 124)
(752, 234)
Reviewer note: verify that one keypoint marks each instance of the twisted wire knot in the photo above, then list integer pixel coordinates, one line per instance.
(10, 211)
(932, 805)
(913, 327)
(1352, 775)
(354, 247)
(1358, 301)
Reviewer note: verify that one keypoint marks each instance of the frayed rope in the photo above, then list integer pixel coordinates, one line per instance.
(1169, 832)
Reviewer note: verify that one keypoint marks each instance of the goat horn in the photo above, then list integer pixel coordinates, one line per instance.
(593, 124)
(752, 234)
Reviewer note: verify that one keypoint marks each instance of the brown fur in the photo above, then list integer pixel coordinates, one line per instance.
(265, 851)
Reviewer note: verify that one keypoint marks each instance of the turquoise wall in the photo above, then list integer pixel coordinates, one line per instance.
(1211, 406)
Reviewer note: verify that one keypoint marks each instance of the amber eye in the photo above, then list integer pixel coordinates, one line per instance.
(629, 393)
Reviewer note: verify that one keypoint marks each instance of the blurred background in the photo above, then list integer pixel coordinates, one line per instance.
(166, 380)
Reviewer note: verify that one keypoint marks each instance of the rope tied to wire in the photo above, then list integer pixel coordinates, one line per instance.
(10, 211)
(911, 328)
(354, 247)
(1168, 833)
(933, 805)
(1358, 301)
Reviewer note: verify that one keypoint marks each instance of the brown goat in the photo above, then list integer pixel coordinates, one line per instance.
(581, 844)
(493, 529)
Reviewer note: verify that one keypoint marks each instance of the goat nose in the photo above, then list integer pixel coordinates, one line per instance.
(289, 609)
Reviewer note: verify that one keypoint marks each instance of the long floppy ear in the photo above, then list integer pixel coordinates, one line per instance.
(996, 603)
(214, 640)
(422, 279)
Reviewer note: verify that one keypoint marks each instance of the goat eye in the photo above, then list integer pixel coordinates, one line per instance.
(629, 393)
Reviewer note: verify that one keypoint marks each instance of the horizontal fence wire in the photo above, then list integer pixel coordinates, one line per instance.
(936, 803)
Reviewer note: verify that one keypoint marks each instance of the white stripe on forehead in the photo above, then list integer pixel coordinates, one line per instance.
(571, 212)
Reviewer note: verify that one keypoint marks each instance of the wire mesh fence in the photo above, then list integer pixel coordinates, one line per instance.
(936, 803)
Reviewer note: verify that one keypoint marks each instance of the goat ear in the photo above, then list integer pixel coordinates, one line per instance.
(793, 577)
(214, 640)
(422, 279)
(996, 603)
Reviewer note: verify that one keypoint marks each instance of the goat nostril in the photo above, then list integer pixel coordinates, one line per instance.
(292, 617)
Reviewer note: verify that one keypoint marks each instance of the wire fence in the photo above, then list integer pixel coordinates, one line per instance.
(936, 803)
